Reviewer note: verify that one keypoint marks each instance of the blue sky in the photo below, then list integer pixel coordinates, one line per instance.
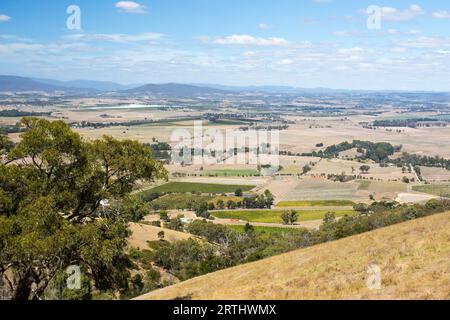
(302, 43)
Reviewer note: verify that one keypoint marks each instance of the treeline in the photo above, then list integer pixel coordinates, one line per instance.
(8, 129)
(160, 150)
(378, 152)
(411, 123)
(18, 113)
(227, 248)
(407, 159)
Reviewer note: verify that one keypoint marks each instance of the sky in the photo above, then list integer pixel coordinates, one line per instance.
(401, 45)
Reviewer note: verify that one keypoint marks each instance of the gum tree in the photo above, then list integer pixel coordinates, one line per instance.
(54, 187)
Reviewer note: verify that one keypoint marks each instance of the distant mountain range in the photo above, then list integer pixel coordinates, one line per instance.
(23, 84)
(19, 84)
(175, 89)
(86, 84)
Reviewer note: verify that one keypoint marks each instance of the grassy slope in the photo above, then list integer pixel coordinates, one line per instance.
(413, 256)
(141, 233)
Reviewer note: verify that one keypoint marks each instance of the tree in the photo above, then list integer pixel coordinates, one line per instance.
(202, 210)
(289, 217)
(161, 235)
(231, 205)
(269, 199)
(361, 208)
(175, 224)
(306, 169)
(238, 193)
(364, 169)
(249, 228)
(53, 187)
(164, 216)
(330, 217)
(220, 205)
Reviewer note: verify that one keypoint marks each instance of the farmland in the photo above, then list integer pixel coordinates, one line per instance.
(274, 216)
(319, 203)
(186, 200)
(434, 189)
(230, 173)
(206, 188)
(266, 230)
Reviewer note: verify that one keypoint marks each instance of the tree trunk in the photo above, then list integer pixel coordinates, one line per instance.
(16, 286)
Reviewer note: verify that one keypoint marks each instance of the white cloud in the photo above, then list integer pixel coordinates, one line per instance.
(264, 26)
(425, 43)
(414, 31)
(398, 50)
(395, 15)
(443, 14)
(285, 62)
(4, 18)
(116, 37)
(131, 7)
(392, 31)
(245, 40)
(346, 33)
(354, 50)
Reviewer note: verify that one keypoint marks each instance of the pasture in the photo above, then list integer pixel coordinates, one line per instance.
(434, 189)
(435, 174)
(205, 188)
(318, 203)
(267, 230)
(274, 216)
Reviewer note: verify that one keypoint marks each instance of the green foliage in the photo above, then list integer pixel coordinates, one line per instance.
(378, 152)
(249, 228)
(53, 208)
(201, 210)
(364, 169)
(208, 230)
(289, 217)
(174, 224)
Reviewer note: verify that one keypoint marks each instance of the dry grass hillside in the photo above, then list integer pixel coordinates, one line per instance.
(142, 233)
(414, 258)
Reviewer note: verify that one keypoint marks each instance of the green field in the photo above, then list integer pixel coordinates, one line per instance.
(187, 187)
(318, 203)
(274, 216)
(267, 230)
(231, 173)
(434, 189)
(182, 201)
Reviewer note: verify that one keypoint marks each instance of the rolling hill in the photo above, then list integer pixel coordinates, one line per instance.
(22, 84)
(174, 89)
(86, 84)
(414, 258)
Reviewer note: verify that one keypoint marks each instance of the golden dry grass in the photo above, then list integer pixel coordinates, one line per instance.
(414, 258)
(141, 233)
